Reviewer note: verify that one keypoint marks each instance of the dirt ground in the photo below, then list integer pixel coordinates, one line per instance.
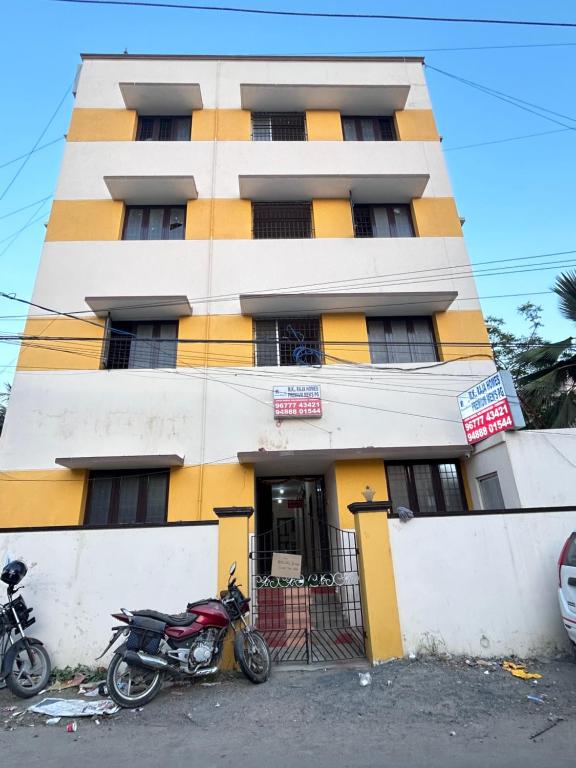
(414, 713)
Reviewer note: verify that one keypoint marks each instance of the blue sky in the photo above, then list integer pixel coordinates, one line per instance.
(517, 197)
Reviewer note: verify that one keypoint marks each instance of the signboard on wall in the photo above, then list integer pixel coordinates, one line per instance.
(297, 401)
(489, 407)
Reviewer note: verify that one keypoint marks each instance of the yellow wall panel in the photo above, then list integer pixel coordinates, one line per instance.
(462, 333)
(223, 485)
(325, 125)
(219, 219)
(84, 354)
(41, 497)
(436, 217)
(85, 220)
(416, 125)
(349, 328)
(332, 218)
(221, 124)
(352, 477)
(231, 346)
(103, 125)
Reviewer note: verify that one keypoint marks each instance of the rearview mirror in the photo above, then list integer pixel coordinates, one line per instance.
(232, 569)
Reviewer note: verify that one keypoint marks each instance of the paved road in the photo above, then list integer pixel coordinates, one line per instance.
(414, 713)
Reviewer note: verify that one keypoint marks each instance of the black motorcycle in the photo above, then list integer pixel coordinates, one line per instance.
(24, 663)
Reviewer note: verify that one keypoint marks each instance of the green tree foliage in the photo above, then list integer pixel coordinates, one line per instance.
(549, 384)
(544, 372)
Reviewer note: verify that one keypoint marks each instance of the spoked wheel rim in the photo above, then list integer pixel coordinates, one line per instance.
(133, 683)
(29, 674)
(255, 653)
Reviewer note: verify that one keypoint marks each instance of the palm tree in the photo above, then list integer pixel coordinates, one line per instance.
(549, 389)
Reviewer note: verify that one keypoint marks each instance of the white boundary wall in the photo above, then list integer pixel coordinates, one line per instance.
(79, 577)
(483, 585)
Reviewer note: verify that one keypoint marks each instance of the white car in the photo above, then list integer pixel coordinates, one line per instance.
(567, 586)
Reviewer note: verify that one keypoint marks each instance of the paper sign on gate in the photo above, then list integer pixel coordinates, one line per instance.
(286, 566)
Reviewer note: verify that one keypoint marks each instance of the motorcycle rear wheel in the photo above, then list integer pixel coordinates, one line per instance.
(132, 687)
(253, 655)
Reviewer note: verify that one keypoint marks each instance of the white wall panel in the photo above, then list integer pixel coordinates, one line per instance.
(220, 80)
(480, 585)
(80, 577)
(152, 268)
(134, 412)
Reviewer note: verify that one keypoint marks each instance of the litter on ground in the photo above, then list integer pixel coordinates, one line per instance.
(74, 707)
(519, 670)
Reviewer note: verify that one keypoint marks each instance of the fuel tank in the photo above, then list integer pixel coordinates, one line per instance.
(209, 613)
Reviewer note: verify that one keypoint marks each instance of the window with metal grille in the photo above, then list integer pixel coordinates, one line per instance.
(281, 220)
(401, 340)
(278, 126)
(142, 345)
(164, 129)
(127, 497)
(382, 221)
(154, 222)
(426, 487)
(288, 341)
(356, 128)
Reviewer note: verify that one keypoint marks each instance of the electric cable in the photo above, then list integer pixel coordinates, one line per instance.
(324, 15)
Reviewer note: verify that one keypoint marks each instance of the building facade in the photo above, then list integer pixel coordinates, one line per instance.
(223, 226)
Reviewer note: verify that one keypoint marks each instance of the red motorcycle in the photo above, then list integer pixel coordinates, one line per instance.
(186, 645)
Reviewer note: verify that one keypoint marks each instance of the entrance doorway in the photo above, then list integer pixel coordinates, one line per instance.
(318, 615)
(291, 517)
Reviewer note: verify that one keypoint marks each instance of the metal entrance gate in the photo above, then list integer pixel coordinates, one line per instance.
(314, 618)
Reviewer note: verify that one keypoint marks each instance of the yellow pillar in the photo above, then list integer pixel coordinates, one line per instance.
(378, 587)
(233, 544)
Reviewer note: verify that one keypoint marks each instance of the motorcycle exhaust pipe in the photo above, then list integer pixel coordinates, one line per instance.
(144, 660)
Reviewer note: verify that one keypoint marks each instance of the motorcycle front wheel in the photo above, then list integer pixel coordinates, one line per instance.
(132, 687)
(27, 676)
(253, 655)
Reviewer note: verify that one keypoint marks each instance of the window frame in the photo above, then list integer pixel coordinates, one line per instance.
(156, 127)
(383, 347)
(377, 121)
(115, 333)
(145, 226)
(113, 509)
(279, 342)
(436, 485)
(481, 486)
(368, 208)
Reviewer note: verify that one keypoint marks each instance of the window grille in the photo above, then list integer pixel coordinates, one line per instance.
(127, 497)
(401, 340)
(278, 126)
(281, 220)
(426, 487)
(142, 345)
(163, 129)
(368, 129)
(288, 341)
(382, 221)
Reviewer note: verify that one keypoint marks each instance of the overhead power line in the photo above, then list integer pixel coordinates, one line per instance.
(324, 15)
(525, 106)
(25, 207)
(32, 152)
(28, 155)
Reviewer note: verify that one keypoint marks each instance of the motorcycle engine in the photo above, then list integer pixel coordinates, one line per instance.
(203, 649)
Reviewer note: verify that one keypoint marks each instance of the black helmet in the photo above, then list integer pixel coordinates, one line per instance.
(13, 573)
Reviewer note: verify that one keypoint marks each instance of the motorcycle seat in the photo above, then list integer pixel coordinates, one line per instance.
(173, 620)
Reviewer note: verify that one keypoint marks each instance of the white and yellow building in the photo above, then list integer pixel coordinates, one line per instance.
(223, 225)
